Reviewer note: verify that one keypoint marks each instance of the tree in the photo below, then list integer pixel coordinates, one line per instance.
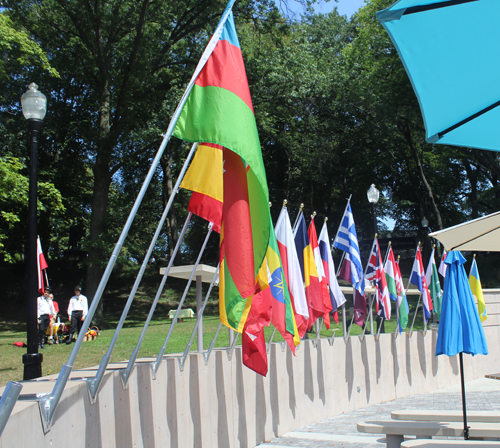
(121, 63)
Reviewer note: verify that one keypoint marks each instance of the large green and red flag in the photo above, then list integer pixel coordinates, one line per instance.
(219, 110)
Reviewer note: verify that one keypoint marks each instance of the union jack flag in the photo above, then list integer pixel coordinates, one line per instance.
(376, 275)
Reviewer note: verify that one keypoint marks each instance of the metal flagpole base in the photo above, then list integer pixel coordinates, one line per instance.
(8, 401)
(231, 348)
(48, 404)
(331, 339)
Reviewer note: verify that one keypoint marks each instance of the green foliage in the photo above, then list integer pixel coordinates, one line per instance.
(334, 107)
(14, 206)
(16, 43)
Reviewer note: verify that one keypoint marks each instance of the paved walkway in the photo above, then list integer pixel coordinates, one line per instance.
(340, 431)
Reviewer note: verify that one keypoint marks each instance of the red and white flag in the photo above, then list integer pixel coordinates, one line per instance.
(337, 297)
(443, 266)
(41, 266)
(291, 269)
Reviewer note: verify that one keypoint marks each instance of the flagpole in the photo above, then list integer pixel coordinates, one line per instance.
(49, 403)
(45, 270)
(294, 228)
(374, 295)
(348, 202)
(93, 385)
(131, 362)
(340, 264)
(385, 262)
(268, 345)
(156, 364)
(199, 318)
(397, 308)
(344, 319)
(418, 302)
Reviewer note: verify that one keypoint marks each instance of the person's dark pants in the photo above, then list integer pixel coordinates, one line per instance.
(76, 323)
(44, 321)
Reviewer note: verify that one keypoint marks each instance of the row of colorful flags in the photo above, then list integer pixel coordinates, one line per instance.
(284, 276)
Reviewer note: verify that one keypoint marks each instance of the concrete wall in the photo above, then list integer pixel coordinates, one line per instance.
(223, 404)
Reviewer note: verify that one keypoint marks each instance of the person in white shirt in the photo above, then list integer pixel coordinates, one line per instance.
(77, 311)
(45, 310)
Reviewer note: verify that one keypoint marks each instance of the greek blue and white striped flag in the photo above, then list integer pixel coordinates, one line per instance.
(347, 240)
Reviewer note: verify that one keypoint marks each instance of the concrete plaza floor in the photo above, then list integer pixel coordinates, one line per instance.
(340, 431)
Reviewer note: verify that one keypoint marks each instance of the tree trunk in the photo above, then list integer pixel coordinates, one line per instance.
(427, 186)
(472, 176)
(102, 180)
(173, 237)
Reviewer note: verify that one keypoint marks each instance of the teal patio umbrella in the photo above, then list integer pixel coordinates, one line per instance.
(450, 50)
(460, 330)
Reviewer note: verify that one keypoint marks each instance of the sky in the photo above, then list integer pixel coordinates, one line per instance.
(344, 7)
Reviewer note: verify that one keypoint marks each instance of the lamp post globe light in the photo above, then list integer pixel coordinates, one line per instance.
(373, 196)
(34, 105)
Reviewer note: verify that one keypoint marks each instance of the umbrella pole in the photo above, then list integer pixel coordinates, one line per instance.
(464, 406)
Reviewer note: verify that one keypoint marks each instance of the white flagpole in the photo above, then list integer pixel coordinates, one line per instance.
(374, 295)
(45, 270)
(49, 403)
(156, 364)
(131, 362)
(383, 269)
(344, 319)
(419, 297)
(296, 223)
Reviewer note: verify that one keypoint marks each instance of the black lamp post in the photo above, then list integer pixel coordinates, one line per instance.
(34, 105)
(425, 226)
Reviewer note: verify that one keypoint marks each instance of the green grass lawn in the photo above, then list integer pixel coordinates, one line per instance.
(91, 353)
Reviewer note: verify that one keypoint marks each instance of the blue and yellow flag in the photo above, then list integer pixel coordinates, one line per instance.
(477, 290)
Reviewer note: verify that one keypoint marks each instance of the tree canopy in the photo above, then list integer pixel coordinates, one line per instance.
(334, 107)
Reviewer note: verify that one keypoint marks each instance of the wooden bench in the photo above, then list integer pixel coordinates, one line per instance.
(446, 416)
(396, 430)
(187, 313)
(447, 444)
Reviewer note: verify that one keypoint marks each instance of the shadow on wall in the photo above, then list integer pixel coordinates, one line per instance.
(194, 400)
(366, 365)
(421, 352)
(123, 432)
(394, 352)
(321, 375)
(220, 386)
(171, 404)
(145, 403)
(408, 361)
(274, 399)
(349, 368)
(261, 405)
(240, 398)
(292, 401)
(308, 373)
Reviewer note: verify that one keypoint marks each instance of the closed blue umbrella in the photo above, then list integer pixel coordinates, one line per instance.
(460, 329)
(450, 52)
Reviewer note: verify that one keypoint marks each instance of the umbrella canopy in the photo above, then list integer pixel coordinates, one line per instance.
(482, 234)
(450, 52)
(460, 328)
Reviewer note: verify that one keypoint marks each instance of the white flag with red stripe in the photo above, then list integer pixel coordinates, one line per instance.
(292, 271)
(41, 265)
